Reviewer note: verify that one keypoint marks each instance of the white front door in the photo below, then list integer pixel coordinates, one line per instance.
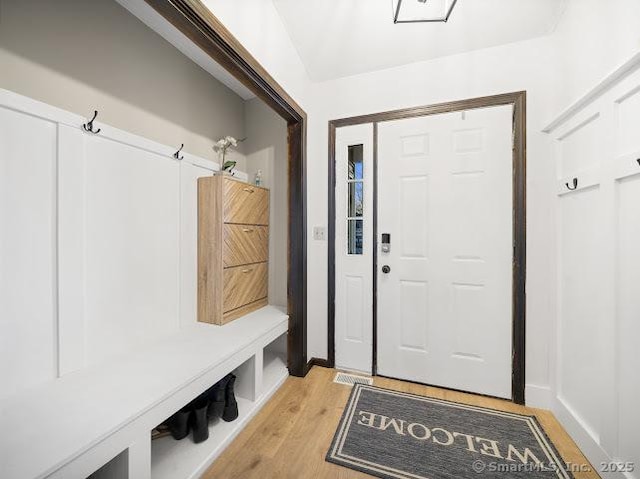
(445, 199)
(354, 248)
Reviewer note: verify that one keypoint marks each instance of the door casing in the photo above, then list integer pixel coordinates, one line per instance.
(518, 101)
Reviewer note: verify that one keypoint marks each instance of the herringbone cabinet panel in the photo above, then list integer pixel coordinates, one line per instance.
(244, 203)
(233, 248)
(244, 284)
(245, 244)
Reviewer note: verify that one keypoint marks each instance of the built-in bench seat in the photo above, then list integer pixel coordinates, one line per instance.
(78, 423)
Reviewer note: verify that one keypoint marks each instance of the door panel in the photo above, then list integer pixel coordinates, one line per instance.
(413, 233)
(353, 248)
(445, 196)
(354, 287)
(414, 300)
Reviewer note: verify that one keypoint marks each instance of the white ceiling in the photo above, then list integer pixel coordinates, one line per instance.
(337, 38)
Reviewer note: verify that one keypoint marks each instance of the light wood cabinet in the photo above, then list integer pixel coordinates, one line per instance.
(233, 248)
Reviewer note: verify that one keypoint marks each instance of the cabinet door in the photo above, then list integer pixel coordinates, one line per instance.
(245, 244)
(244, 203)
(244, 285)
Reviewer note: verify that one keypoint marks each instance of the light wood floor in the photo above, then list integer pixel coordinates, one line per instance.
(290, 436)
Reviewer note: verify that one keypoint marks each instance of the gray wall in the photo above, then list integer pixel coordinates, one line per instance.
(266, 149)
(82, 55)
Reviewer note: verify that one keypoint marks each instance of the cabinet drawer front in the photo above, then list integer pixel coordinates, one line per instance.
(244, 203)
(244, 284)
(245, 244)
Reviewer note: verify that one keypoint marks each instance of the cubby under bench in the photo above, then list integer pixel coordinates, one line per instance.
(98, 420)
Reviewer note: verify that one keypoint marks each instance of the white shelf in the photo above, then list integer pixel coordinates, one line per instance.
(274, 368)
(171, 459)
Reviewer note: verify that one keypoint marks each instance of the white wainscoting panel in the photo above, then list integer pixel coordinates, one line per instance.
(98, 270)
(580, 145)
(71, 249)
(628, 118)
(132, 227)
(580, 367)
(28, 316)
(597, 386)
(98, 244)
(628, 299)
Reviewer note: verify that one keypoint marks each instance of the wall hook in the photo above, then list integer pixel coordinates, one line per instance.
(176, 155)
(575, 184)
(89, 125)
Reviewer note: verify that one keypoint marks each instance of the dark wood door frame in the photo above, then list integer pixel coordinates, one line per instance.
(197, 22)
(518, 100)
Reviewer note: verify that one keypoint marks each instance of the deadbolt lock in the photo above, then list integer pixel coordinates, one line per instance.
(386, 243)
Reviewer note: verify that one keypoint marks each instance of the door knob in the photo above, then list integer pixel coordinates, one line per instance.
(386, 269)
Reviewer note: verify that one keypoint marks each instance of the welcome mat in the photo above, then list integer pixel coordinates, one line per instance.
(392, 434)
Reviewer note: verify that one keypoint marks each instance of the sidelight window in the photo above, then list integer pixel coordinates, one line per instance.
(355, 200)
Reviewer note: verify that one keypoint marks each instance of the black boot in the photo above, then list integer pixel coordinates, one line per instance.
(216, 399)
(230, 412)
(198, 418)
(179, 423)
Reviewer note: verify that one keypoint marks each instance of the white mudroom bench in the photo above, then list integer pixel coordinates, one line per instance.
(99, 420)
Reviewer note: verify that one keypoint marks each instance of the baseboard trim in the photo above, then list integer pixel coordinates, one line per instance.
(584, 439)
(323, 363)
(538, 396)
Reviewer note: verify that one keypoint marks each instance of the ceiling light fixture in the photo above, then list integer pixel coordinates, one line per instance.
(419, 11)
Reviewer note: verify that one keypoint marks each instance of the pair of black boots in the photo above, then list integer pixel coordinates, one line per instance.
(217, 401)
